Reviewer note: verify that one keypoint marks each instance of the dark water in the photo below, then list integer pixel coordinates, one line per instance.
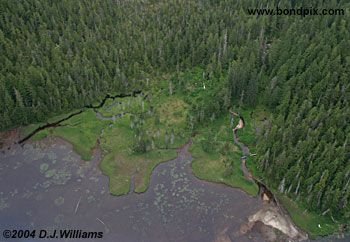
(41, 185)
(46, 186)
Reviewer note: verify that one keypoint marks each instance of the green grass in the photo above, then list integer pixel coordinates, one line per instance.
(214, 140)
(247, 135)
(41, 135)
(169, 118)
(153, 158)
(210, 165)
(61, 116)
(172, 112)
(253, 119)
(82, 131)
(212, 145)
(121, 163)
(26, 130)
(122, 105)
(308, 221)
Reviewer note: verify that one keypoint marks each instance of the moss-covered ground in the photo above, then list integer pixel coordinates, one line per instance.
(217, 159)
(121, 162)
(156, 123)
(153, 127)
(149, 133)
(314, 224)
(133, 145)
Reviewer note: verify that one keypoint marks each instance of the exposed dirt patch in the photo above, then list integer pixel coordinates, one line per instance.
(8, 138)
(272, 216)
(223, 237)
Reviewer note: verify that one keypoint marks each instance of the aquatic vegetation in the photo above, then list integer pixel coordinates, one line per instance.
(50, 173)
(3, 204)
(59, 201)
(44, 167)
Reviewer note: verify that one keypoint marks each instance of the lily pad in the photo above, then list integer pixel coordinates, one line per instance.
(44, 167)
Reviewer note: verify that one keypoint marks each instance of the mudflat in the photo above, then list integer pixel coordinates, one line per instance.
(45, 185)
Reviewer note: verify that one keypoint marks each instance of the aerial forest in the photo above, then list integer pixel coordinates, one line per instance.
(58, 56)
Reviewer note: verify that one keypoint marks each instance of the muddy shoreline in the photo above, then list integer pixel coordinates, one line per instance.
(176, 207)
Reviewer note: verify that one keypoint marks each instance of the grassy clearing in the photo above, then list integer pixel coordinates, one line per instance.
(162, 118)
(41, 135)
(122, 105)
(217, 159)
(212, 168)
(26, 130)
(61, 116)
(210, 164)
(82, 131)
(169, 120)
(121, 163)
(163, 126)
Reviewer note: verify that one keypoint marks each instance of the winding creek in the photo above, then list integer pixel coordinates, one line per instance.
(90, 106)
(272, 214)
(45, 185)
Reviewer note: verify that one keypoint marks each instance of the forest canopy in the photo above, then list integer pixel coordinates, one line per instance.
(57, 56)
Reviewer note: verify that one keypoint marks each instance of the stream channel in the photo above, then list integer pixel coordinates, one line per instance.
(45, 185)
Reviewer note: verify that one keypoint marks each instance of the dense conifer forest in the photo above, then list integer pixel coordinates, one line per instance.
(57, 56)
